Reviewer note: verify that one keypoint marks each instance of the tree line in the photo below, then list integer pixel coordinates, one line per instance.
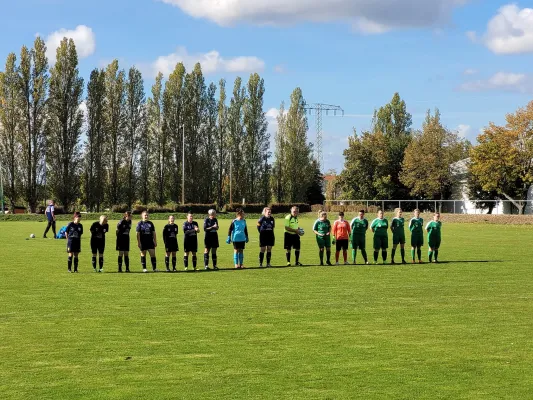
(107, 144)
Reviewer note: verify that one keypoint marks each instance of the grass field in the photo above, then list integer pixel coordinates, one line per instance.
(461, 329)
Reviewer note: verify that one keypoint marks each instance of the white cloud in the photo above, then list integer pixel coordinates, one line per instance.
(503, 81)
(83, 36)
(464, 130)
(211, 62)
(272, 113)
(509, 32)
(470, 71)
(364, 15)
(280, 69)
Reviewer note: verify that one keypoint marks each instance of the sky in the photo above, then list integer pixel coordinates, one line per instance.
(472, 59)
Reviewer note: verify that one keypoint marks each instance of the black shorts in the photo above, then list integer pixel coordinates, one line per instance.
(342, 244)
(190, 244)
(147, 245)
(171, 245)
(97, 245)
(211, 241)
(292, 241)
(239, 245)
(123, 243)
(73, 246)
(266, 239)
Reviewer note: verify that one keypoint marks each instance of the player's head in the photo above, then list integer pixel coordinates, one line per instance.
(267, 211)
(190, 217)
(212, 213)
(171, 219)
(51, 202)
(399, 212)
(239, 213)
(417, 213)
(145, 215)
(361, 214)
(103, 220)
(320, 213)
(341, 215)
(127, 216)
(295, 211)
(76, 217)
(436, 217)
(323, 215)
(380, 214)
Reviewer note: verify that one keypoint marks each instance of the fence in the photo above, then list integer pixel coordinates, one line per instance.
(445, 206)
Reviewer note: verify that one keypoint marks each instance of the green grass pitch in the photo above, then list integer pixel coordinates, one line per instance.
(462, 329)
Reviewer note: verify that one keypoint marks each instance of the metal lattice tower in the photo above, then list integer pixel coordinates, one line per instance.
(318, 109)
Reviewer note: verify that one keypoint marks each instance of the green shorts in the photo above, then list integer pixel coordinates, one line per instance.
(381, 242)
(358, 242)
(398, 239)
(434, 243)
(417, 240)
(324, 241)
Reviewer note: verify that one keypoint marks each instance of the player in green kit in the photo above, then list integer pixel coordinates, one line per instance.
(322, 230)
(416, 226)
(433, 229)
(398, 235)
(381, 238)
(359, 227)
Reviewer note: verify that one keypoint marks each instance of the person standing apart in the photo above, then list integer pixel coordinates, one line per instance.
(322, 230)
(123, 241)
(341, 234)
(51, 217)
(98, 231)
(265, 227)
(211, 239)
(292, 236)
(238, 234)
(398, 235)
(434, 229)
(416, 226)
(381, 239)
(190, 241)
(170, 239)
(359, 227)
(74, 233)
(147, 240)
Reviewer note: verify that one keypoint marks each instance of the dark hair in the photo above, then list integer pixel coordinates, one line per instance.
(362, 211)
(189, 212)
(76, 214)
(126, 214)
(239, 211)
(341, 214)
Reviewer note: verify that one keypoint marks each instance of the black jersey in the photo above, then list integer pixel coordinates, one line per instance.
(170, 233)
(146, 230)
(74, 231)
(188, 228)
(123, 228)
(209, 223)
(266, 224)
(98, 231)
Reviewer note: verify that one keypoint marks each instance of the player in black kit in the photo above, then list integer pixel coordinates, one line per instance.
(190, 240)
(265, 226)
(74, 232)
(98, 231)
(170, 238)
(211, 238)
(147, 241)
(123, 241)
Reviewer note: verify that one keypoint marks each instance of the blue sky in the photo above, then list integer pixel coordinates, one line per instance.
(472, 59)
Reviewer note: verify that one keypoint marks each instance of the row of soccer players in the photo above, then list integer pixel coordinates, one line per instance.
(342, 234)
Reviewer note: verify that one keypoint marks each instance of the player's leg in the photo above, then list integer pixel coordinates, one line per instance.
(430, 253)
(69, 263)
(174, 261)
(235, 256)
(419, 253)
(345, 251)
(167, 260)
(337, 252)
(48, 226)
(54, 229)
(384, 246)
(127, 260)
(297, 244)
(120, 258)
(436, 248)
(241, 258)
(214, 258)
(262, 251)
(186, 259)
(287, 245)
(362, 247)
(153, 259)
(402, 251)
(76, 259)
(194, 260)
(101, 259)
(143, 260)
(377, 247)
(206, 258)
(393, 253)
(94, 250)
(269, 256)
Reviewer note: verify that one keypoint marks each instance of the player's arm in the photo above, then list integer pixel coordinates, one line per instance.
(373, 226)
(335, 229)
(81, 230)
(196, 227)
(165, 236)
(154, 236)
(53, 212)
(315, 227)
(259, 221)
(206, 228)
(349, 228)
(246, 233)
(138, 236)
(393, 225)
(288, 228)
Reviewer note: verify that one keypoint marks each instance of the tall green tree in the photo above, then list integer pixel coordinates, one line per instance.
(95, 159)
(65, 119)
(279, 170)
(10, 127)
(33, 85)
(235, 128)
(427, 166)
(210, 134)
(256, 141)
(173, 121)
(221, 142)
(135, 124)
(115, 124)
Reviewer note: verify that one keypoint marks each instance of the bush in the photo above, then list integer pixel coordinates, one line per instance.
(194, 208)
(285, 208)
(120, 208)
(248, 208)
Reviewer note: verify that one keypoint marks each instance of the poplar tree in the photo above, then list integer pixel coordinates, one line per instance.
(159, 142)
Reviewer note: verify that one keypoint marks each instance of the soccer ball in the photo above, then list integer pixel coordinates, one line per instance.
(32, 236)
(301, 231)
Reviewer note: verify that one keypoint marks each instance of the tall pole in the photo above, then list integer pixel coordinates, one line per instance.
(183, 167)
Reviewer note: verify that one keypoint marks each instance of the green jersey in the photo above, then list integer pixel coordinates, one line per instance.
(359, 226)
(322, 227)
(291, 222)
(434, 229)
(379, 227)
(416, 226)
(397, 227)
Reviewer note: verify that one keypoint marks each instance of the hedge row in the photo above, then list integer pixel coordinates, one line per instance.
(166, 208)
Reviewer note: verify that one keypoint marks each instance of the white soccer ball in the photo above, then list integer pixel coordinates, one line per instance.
(301, 231)
(32, 236)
